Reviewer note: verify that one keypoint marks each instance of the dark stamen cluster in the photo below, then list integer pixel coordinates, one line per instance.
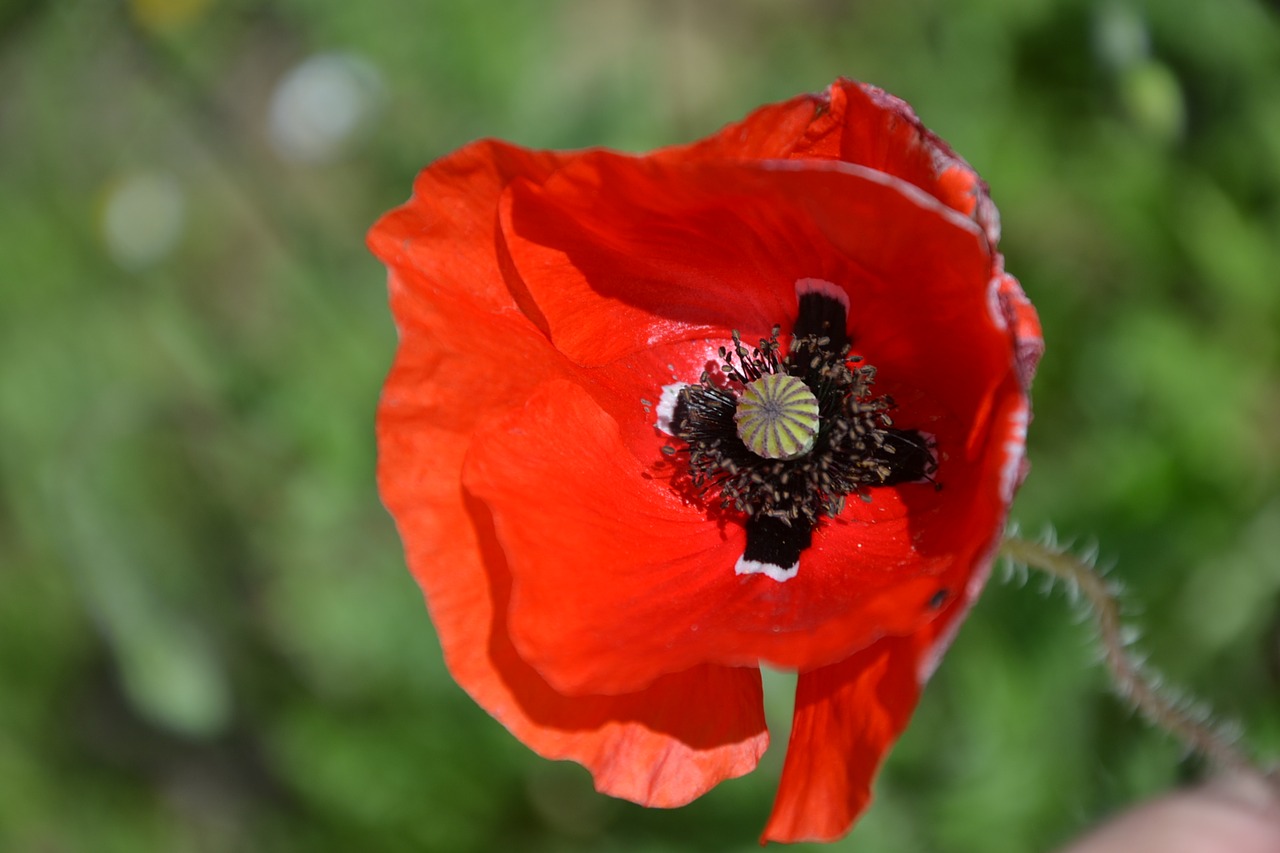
(855, 448)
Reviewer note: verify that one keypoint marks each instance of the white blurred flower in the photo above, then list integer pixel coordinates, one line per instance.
(320, 105)
(143, 218)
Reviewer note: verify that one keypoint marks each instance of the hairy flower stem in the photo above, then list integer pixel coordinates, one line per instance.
(1130, 679)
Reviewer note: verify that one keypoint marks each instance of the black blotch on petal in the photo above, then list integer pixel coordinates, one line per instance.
(822, 316)
(678, 413)
(908, 454)
(938, 598)
(771, 540)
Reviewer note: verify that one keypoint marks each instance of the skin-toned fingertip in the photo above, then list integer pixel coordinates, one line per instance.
(1232, 814)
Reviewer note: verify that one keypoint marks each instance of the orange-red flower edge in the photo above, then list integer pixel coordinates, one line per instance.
(552, 305)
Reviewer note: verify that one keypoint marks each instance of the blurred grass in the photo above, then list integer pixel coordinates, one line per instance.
(207, 638)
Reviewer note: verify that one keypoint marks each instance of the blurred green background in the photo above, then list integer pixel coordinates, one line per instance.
(208, 641)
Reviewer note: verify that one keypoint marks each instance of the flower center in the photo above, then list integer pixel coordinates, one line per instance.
(789, 438)
(777, 417)
(784, 440)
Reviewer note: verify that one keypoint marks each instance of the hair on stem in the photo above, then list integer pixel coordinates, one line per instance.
(1189, 721)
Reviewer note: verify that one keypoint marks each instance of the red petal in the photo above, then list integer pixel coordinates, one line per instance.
(847, 716)
(614, 574)
(1023, 322)
(467, 352)
(953, 376)
(661, 746)
(936, 538)
(623, 253)
(871, 572)
(616, 582)
(619, 253)
(870, 127)
(649, 746)
(770, 132)
(453, 205)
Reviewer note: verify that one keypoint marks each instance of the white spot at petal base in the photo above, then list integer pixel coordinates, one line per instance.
(823, 287)
(667, 405)
(781, 574)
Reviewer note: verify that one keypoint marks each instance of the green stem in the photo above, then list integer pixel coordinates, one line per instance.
(1131, 681)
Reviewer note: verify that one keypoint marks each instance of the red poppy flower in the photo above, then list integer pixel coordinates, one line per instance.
(615, 522)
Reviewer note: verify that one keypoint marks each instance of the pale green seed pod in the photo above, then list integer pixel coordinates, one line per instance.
(777, 417)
